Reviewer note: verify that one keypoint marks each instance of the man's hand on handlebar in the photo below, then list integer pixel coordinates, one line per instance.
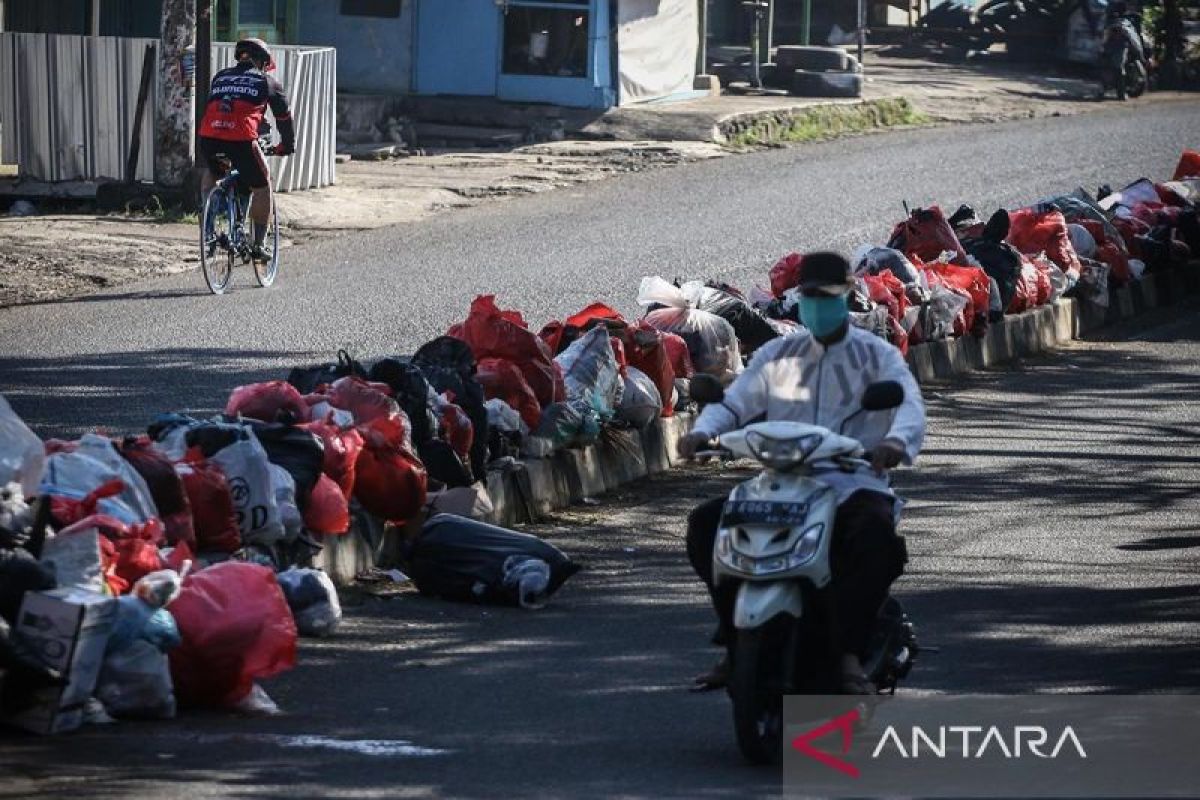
(887, 454)
(690, 444)
(283, 150)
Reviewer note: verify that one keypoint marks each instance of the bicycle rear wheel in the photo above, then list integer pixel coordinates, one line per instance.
(265, 271)
(216, 241)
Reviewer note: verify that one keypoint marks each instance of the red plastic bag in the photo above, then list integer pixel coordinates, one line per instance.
(236, 628)
(899, 337)
(390, 480)
(974, 281)
(457, 428)
(1026, 295)
(786, 273)
(213, 517)
(596, 311)
(66, 511)
(678, 355)
(166, 487)
(1034, 232)
(492, 333)
(926, 234)
(266, 401)
(108, 548)
(618, 347)
(341, 452)
(503, 379)
(886, 289)
(966, 318)
(328, 511)
(647, 352)
(371, 406)
(1189, 166)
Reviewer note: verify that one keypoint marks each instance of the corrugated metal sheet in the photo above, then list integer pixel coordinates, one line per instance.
(67, 105)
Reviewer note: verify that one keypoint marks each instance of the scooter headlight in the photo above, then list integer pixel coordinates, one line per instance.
(806, 549)
(780, 453)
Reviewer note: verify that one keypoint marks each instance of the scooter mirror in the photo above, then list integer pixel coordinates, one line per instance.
(706, 389)
(882, 396)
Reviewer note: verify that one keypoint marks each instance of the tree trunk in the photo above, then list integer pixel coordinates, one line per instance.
(174, 124)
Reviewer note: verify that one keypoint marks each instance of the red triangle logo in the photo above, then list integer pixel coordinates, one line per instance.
(845, 723)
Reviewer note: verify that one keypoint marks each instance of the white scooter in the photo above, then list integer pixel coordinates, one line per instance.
(774, 540)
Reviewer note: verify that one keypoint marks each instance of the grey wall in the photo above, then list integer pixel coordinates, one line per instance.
(374, 53)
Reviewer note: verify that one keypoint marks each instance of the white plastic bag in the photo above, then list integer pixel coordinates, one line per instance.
(944, 307)
(313, 600)
(641, 403)
(876, 321)
(1094, 282)
(711, 340)
(248, 471)
(504, 417)
(528, 578)
(135, 681)
(285, 499)
(22, 455)
(591, 373)
(96, 462)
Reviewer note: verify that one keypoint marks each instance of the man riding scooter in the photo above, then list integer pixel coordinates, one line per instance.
(817, 376)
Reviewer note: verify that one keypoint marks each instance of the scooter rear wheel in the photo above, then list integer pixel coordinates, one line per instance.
(755, 688)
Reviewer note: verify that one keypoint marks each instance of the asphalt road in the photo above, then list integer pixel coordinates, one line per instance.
(1054, 547)
(113, 358)
(1052, 527)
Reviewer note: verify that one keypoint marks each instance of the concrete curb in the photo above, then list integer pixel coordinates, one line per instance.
(523, 492)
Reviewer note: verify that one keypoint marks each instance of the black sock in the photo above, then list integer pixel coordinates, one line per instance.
(260, 234)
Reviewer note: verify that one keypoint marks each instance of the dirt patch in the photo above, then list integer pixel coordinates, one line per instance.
(46, 258)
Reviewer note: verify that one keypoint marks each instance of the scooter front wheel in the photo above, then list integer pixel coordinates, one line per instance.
(756, 691)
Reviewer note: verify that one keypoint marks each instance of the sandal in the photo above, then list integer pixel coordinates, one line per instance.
(716, 678)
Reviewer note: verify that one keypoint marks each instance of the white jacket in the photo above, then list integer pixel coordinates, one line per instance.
(797, 378)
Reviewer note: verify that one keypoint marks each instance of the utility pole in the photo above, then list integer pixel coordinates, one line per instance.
(174, 119)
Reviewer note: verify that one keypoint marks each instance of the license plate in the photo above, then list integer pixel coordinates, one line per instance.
(758, 512)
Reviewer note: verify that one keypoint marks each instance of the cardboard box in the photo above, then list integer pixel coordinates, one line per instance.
(68, 630)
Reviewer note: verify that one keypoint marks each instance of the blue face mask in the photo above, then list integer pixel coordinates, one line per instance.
(823, 315)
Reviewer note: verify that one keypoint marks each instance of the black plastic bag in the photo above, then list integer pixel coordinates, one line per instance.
(307, 379)
(449, 366)
(462, 559)
(300, 452)
(751, 328)
(443, 464)
(20, 572)
(411, 390)
(999, 259)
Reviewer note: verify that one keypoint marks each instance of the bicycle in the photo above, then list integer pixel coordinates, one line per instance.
(225, 237)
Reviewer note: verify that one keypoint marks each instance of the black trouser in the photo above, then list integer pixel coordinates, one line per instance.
(866, 555)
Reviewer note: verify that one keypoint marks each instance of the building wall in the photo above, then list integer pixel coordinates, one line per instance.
(374, 53)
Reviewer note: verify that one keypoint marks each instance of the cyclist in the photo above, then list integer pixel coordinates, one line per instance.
(230, 129)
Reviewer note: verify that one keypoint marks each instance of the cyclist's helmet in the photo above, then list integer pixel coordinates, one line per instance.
(257, 51)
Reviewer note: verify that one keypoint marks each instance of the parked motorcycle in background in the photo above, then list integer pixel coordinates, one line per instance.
(1124, 65)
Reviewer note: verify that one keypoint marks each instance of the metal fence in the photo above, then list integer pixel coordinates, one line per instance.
(67, 105)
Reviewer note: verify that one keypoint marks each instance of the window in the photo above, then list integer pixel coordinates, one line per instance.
(546, 41)
(371, 8)
(256, 12)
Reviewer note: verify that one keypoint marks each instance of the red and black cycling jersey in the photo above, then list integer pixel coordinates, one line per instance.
(239, 98)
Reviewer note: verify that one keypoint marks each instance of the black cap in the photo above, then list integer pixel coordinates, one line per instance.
(825, 273)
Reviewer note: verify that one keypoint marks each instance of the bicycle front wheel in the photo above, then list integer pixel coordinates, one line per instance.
(265, 271)
(216, 241)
